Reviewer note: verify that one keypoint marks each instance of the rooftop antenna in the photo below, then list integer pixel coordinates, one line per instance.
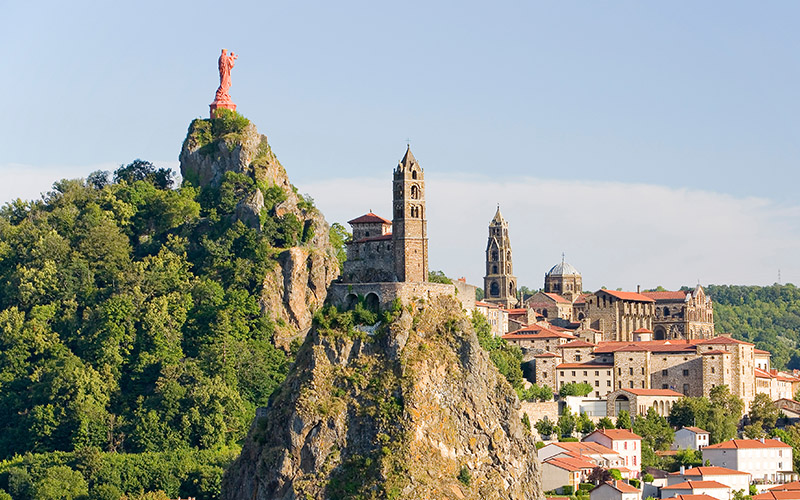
(779, 276)
(562, 257)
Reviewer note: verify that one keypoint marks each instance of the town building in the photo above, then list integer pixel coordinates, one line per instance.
(683, 314)
(778, 495)
(550, 306)
(617, 314)
(690, 438)
(639, 401)
(561, 471)
(499, 284)
(764, 459)
(615, 490)
(736, 480)
(496, 316)
(713, 489)
(564, 280)
(537, 338)
(599, 376)
(624, 442)
(601, 455)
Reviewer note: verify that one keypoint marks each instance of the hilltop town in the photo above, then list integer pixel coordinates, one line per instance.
(590, 358)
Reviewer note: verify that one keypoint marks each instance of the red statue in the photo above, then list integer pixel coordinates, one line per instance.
(223, 99)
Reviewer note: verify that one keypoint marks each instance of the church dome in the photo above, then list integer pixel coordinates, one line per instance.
(562, 269)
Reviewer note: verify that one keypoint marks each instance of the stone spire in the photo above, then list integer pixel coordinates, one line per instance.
(500, 285)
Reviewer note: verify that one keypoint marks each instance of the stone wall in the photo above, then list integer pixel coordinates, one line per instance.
(465, 293)
(345, 294)
(539, 410)
(681, 372)
(632, 369)
(369, 261)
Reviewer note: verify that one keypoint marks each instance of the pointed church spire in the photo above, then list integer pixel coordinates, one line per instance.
(408, 158)
(498, 217)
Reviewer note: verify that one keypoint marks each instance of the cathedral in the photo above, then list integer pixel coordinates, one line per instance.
(499, 283)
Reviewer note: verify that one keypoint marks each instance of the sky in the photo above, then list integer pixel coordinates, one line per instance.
(653, 143)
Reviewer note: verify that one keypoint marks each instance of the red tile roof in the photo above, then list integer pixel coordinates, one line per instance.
(778, 495)
(761, 351)
(517, 311)
(710, 470)
(724, 340)
(588, 365)
(653, 392)
(621, 486)
(571, 463)
(793, 486)
(692, 497)
(546, 355)
(586, 448)
(632, 296)
(536, 332)
(696, 430)
(642, 330)
(690, 485)
(679, 295)
(715, 351)
(369, 218)
(762, 373)
(581, 298)
(576, 343)
(747, 443)
(556, 297)
(615, 434)
(649, 345)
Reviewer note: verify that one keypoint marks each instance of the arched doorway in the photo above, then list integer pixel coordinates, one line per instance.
(350, 301)
(621, 403)
(372, 302)
(659, 333)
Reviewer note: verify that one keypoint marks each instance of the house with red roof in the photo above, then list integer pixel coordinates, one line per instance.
(736, 480)
(615, 490)
(624, 442)
(767, 460)
(561, 471)
(550, 305)
(713, 489)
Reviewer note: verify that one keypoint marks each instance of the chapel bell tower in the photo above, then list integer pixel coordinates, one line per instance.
(409, 227)
(500, 285)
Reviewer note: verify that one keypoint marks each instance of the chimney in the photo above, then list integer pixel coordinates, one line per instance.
(638, 288)
(761, 439)
(683, 469)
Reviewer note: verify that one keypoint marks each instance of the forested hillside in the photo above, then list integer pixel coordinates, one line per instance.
(130, 322)
(768, 316)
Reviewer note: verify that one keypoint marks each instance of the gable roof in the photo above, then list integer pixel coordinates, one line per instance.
(632, 296)
(778, 495)
(620, 486)
(702, 496)
(369, 218)
(533, 332)
(708, 470)
(556, 297)
(576, 343)
(696, 430)
(747, 443)
(571, 463)
(690, 485)
(677, 295)
(724, 340)
(793, 486)
(614, 434)
(588, 365)
(546, 354)
(680, 346)
(585, 448)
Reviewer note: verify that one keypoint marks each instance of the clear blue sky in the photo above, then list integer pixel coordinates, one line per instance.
(697, 97)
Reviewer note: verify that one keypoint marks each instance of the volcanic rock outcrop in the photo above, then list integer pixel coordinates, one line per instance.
(411, 408)
(218, 149)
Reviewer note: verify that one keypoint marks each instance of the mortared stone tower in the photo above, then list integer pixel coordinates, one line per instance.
(409, 226)
(500, 285)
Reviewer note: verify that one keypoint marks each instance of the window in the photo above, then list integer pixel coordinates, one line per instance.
(630, 370)
(631, 384)
(608, 383)
(577, 357)
(597, 373)
(573, 373)
(619, 371)
(643, 370)
(685, 389)
(685, 373)
(625, 445)
(544, 375)
(597, 383)
(712, 369)
(664, 373)
(642, 384)
(664, 386)
(584, 373)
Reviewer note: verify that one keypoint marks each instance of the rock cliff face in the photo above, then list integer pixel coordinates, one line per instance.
(411, 410)
(297, 286)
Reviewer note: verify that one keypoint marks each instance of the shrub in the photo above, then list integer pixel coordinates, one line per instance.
(567, 490)
(464, 476)
(634, 482)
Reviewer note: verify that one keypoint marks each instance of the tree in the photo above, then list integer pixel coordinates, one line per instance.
(535, 393)
(725, 412)
(506, 357)
(599, 475)
(566, 423)
(689, 412)
(584, 424)
(438, 277)
(689, 457)
(623, 420)
(575, 389)
(339, 237)
(605, 423)
(654, 429)
(615, 474)
(544, 427)
(141, 170)
(763, 413)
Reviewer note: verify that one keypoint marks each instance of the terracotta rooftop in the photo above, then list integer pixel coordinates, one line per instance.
(793, 486)
(520, 310)
(571, 463)
(678, 295)
(632, 296)
(616, 433)
(621, 486)
(588, 365)
(653, 392)
(723, 340)
(643, 330)
(701, 496)
(714, 351)
(586, 448)
(556, 297)
(576, 343)
(710, 470)
(778, 495)
(761, 351)
(546, 355)
(762, 373)
(369, 218)
(690, 485)
(747, 443)
(581, 298)
(536, 332)
(696, 430)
